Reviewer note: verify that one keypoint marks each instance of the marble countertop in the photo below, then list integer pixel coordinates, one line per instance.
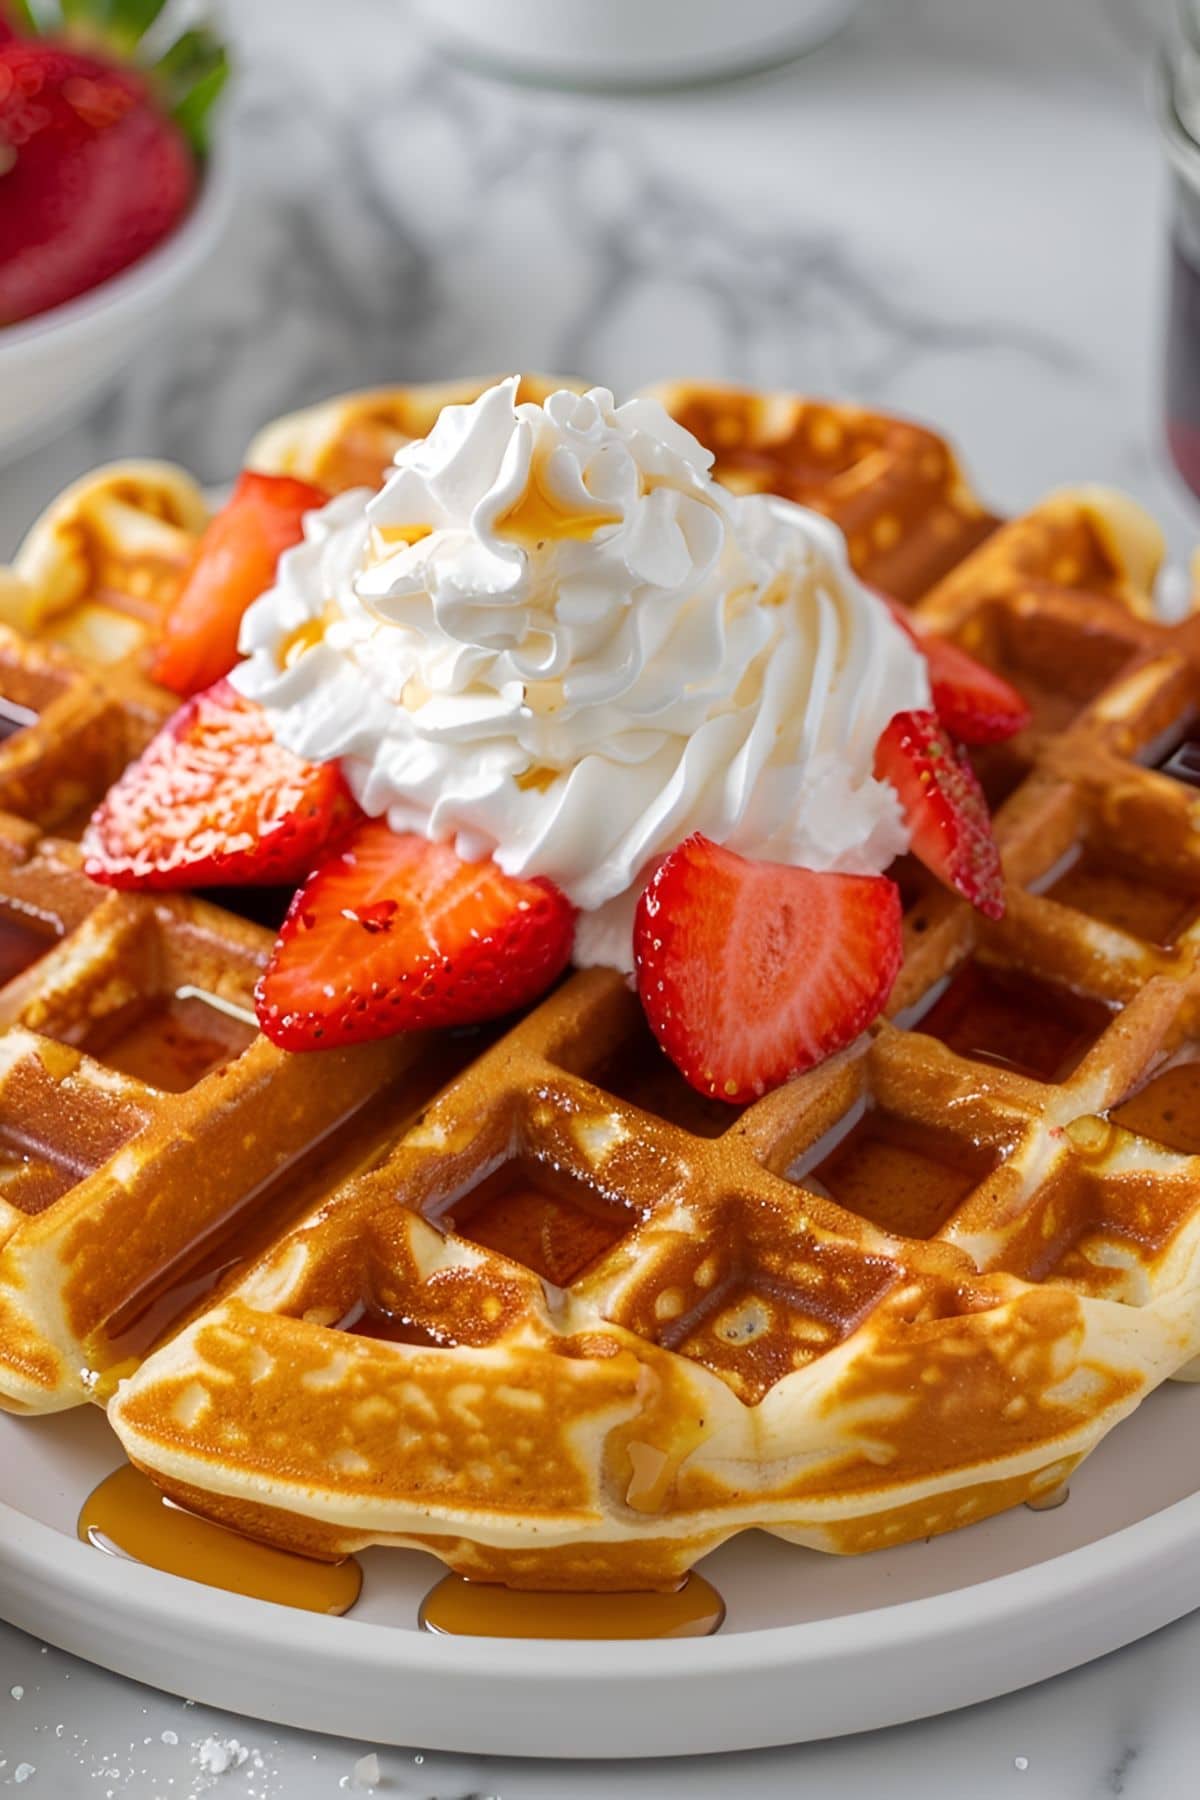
(956, 209)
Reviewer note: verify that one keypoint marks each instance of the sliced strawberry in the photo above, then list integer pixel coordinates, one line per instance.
(394, 933)
(235, 562)
(976, 705)
(750, 972)
(214, 800)
(945, 808)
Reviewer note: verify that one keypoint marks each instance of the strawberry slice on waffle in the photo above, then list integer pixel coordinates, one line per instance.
(973, 703)
(752, 972)
(945, 808)
(394, 933)
(214, 800)
(235, 562)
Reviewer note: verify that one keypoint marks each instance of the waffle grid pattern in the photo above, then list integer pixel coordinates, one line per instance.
(561, 1337)
(578, 1325)
(142, 1116)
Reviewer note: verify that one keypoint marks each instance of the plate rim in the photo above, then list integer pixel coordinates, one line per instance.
(44, 1553)
(890, 1663)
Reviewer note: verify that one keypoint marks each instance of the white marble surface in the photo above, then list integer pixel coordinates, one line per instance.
(955, 210)
(1125, 1727)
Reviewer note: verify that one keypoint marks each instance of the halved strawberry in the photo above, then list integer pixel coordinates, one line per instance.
(945, 808)
(235, 562)
(976, 705)
(750, 972)
(394, 933)
(214, 800)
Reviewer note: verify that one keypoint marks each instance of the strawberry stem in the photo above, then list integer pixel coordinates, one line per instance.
(18, 13)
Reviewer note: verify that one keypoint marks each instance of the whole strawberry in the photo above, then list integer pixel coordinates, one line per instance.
(98, 156)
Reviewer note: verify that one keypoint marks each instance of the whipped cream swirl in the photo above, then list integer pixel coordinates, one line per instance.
(554, 638)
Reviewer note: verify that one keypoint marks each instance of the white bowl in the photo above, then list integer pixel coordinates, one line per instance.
(630, 43)
(53, 366)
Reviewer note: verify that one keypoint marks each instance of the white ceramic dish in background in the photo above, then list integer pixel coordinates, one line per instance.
(813, 1646)
(54, 366)
(630, 43)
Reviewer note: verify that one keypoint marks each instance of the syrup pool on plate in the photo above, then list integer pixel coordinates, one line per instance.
(128, 1516)
(460, 1608)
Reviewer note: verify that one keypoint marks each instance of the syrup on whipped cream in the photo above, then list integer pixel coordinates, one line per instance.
(554, 638)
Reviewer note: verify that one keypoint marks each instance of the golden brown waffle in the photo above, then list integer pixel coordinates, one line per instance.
(349, 441)
(91, 583)
(148, 1137)
(894, 488)
(140, 1110)
(907, 1290)
(580, 1325)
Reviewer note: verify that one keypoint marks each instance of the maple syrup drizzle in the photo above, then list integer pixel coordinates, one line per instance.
(542, 1217)
(22, 944)
(1016, 1021)
(1183, 763)
(538, 518)
(457, 1607)
(1167, 1109)
(127, 1516)
(1118, 892)
(1050, 1502)
(171, 1041)
(905, 1177)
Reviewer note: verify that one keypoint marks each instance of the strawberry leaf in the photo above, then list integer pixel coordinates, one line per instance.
(18, 14)
(126, 22)
(191, 74)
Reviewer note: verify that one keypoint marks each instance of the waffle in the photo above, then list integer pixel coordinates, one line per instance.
(579, 1326)
(895, 489)
(350, 441)
(147, 1131)
(576, 1325)
(154, 1137)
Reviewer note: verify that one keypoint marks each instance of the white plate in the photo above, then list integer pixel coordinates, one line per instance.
(813, 1645)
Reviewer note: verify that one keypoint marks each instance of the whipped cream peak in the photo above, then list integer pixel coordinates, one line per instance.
(554, 638)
